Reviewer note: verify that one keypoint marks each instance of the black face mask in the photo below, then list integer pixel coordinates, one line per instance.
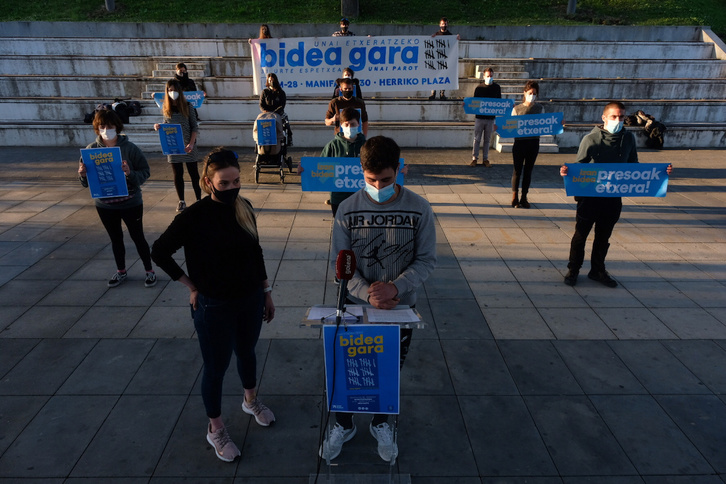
(228, 197)
(183, 76)
(347, 94)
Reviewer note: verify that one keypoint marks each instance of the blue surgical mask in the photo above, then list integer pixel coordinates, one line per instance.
(382, 195)
(488, 81)
(613, 126)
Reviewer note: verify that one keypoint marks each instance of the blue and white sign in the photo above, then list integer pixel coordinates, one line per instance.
(194, 98)
(362, 368)
(484, 106)
(311, 65)
(267, 132)
(159, 99)
(105, 176)
(616, 179)
(328, 174)
(529, 125)
(171, 138)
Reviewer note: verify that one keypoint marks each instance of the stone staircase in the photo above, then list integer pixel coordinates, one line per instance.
(48, 83)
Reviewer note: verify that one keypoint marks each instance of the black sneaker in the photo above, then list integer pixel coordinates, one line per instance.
(571, 277)
(117, 279)
(150, 280)
(603, 278)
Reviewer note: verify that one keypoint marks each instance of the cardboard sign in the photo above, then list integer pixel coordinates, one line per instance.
(616, 179)
(267, 132)
(105, 176)
(485, 106)
(328, 174)
(529, 125)
(362, 368)
(171, 138)
(195, 98)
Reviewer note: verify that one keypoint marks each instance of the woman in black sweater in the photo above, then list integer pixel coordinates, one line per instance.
(229, 292)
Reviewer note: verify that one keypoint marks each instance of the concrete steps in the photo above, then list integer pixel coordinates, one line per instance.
(671, 73)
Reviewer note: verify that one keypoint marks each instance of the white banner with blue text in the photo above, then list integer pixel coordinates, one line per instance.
(311, 65)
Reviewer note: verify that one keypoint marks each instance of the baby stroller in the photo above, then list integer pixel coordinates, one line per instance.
(270, 145)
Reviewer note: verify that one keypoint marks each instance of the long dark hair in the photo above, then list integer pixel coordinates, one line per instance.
(275, 83)
(170, 106)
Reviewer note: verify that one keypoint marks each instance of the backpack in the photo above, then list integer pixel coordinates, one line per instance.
(88, 118)
(135, 107)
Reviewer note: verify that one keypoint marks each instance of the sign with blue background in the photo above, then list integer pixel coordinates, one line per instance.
(105, 176)
(330, 174)
(484, 106)
(195, 98)
(311, 65)
(267, 132)
(529, 125)
(616, 179)
(171, 138)
(362, 368)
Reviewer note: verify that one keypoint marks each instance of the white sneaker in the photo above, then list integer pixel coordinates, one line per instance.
(333, 443)
(387, 448)
(224, 448)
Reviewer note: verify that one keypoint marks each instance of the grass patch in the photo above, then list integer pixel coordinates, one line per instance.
(460, 12)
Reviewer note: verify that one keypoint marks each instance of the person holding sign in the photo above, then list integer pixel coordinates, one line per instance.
(128, 209)
(443, 30)
(525, 150)
(484, 125)
(273, 100)
(177, 110)
(391, 231)
(187, 84)
(229, 295)
(606, 143)
(348, 73)
(346, 100)
(347, 143)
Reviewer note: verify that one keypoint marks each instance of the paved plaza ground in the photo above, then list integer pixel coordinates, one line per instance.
(517, 378)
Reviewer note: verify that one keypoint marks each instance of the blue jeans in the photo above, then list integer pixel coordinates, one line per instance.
(224, 326)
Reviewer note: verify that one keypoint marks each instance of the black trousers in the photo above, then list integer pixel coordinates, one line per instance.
(178, 170)
(133, 218)
(524, 154)
(603, 213)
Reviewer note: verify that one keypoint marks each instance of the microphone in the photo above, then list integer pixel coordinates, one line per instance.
(344, 270)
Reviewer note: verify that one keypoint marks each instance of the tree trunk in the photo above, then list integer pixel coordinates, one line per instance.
(349, 8)
(571, 6)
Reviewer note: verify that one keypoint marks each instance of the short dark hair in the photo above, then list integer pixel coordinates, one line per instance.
(489, 70)
(349, 114)
(181, 65)
(345, 21)
(107, 117)
(444, 19)
(379, 153)
(349, 71)
(613, 104)
(346, 80)
(532, 85)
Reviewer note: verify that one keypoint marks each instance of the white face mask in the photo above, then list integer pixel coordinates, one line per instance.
(350, 132)
(530, 97)
(613, 126)
(107, 134)
(173, 95)
(488, 80)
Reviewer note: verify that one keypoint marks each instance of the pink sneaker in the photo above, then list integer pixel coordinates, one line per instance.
(222, 443)
(263, 415)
